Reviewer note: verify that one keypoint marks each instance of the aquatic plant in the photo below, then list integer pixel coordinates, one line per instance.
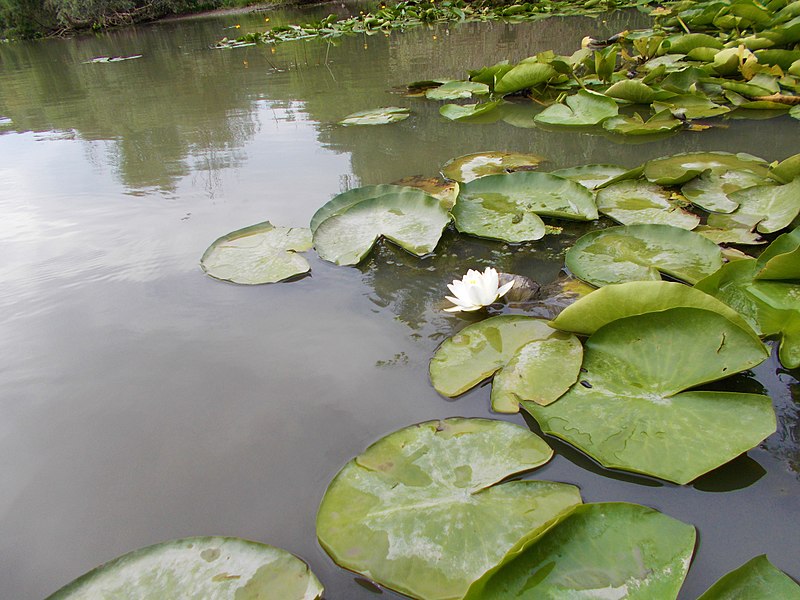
(476, 290)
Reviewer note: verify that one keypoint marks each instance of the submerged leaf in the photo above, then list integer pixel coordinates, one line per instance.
(631, 411)
(603, 550)
(640, 252)
(258, 254)
(199, 567)
(422, 511)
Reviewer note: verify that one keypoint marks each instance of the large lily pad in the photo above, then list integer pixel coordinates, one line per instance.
(217, 568)
(341, 202)
(466, 112)
(524, 76)
(689, 107)
(581, 110)
(454, 90)
(258, 254)
(680, 168)
(481, 349)
(506, 207)
(781, 260)
(619, 301)
(472, 166)
(422, 510)
(662, 122)
(641, 253)
(590, 176)
(412, 220)
(631, 411)
(376, 116)
(757, 579)
(603, 550)
(635, 202)
(710, 190)
(777, 204)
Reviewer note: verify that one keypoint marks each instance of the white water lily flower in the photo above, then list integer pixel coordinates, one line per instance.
(476, 290)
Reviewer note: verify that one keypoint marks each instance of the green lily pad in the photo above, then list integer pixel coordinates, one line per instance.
(258, 254)
(735, 235)
(602, 550)
(684, 43)
(523, 76)
(445, 191)
(411, 219)
(631, 411)
(590, 176)
(619, 301)
(541, 372)
(777, 204)
(462, 112)
(680, 168)
(341, 202)
(422, 511)
(198, 567)
(632, 90)
(662, 122)
(641, 202)
(795, 112)
(376, 116)
(481, 349)
(757, 579)
(472, 166)
(786, 170)
(506, 207)
(583, 109)
(690, 106)
(454, 90)
(641, 253)
(781, 260)
(710, 190)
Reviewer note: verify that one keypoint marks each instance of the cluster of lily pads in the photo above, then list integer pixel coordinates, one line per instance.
(412, 13)
(699, 60)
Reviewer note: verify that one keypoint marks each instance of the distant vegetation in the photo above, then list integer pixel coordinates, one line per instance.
(35, 18)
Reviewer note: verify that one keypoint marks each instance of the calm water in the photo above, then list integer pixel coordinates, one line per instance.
(142, 401)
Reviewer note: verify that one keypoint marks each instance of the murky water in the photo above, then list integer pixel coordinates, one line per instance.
(142, 401)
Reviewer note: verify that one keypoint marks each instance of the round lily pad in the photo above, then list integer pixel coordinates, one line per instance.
(603, 550)
(376, 116)
(341, 202)
(757, 578)
(411, 219)
(454, 90)
(776, 204)
(641, 253)
(631, 409)
(680, 168)
(710, 190)
(422, 511)
(662, 122)
(506, 207)
(590, 176)
(463, 112)
(261, 253)
(635, 202)
(199, 567)
(581, 110)
(471, 166)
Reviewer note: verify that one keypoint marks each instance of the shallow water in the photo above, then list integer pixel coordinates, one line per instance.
(142, 401)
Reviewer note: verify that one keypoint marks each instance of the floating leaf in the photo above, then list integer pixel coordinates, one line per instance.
(631, 411)
(506, 207)
(582, 110)
(710, 190)
(640, 252)
(199, 567)
(422, 511)
(376, 116)
(111, 59)
(781, 260)
(461, 112)
(691, 107)
(786, 170)
(640, 202)
(472, 166)
(739, 236)
(680, 168)
(603, 550)
(258, 254)
(341, 202)
(777, 204)
(454, 90)
(411, 219)
(613, 302)
(445, 191)
(480, 350)
(684, 43)
(661, 122)
(524, 76)
(590, 176)
(632, 90)
(756, 579)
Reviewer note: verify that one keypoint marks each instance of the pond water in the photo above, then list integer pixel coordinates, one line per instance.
(142, 401)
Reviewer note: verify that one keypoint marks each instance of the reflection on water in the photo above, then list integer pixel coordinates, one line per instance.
(141, 401)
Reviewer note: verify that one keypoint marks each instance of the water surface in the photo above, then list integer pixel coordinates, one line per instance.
(142, 401)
